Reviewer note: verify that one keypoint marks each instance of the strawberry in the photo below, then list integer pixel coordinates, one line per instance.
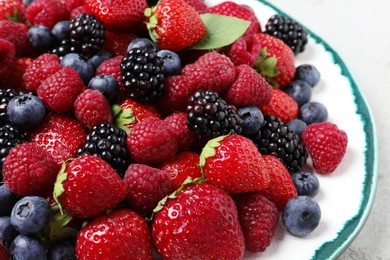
(258, 218)
(30, 170)
(174, 25)
(326, 144)
(126, 236)
(7, 57)
(122, 15)
(276, 61)
(282, 106)
(281, 187)
(234, 164)
(116, 42)
(12, 10)
(15, 77)
(88, 186)
(17, 34)
(46, 12)
(200, 223)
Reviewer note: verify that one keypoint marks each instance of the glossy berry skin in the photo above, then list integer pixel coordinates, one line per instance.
(7, 200)
(142, 43)
(62, 249)
(99, 57)
(31, 215)
(308, 73)
(27, 248)
(313, 112)
(80, 63)
(107, 85)
(61, 30)
(212, 227)
(245, 50)
(301, 215)
(297, 125)
(41, 38)
(252, 119)
(7, 230)
(171, 62)
(300, 91)
(307, 183)
(7, 58)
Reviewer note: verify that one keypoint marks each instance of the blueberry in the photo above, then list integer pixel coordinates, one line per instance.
(27, 2)
(297, 125)
(7, 200)
(142, 43)
(28, 248)
(313, 112)
(80, 64)
(99, 57)
(26, 111)
(300, 91)
(308, 73)
(306, 183)
(7, 231)
(61, 30)
(301, 215)
(30, 215)
(62, 249)
(172, 62)
(252, 119)
(106, 84)
(41, 38)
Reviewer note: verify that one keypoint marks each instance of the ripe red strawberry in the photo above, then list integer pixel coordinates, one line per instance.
(59, 91)
(46, 12)
(92, 108)
(15, 77)
(230, 8)
(234, 164)
(198, 5)
(112, 67)
(281, 187)
(282, 57)
(60, 135)
(150, 142)
(258, 218)
(121, 15)
(116, 42)
(281, 105)
(88, 186)
(146, 186)
(17, 34)
(8, 7)
(200, 223)
(326, 144)
(30, 170)
(248, 89)
(175, 25)
(245, 50)
(7, 57)
(126, 236)
(182, 166)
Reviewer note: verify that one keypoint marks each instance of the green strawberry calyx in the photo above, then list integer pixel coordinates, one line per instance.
(59, 187)
(209, 150)
(58, 224)
(267, 67)
(123, 117)
(153, 21)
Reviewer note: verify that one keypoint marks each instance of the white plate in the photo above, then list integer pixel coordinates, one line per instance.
(346, 195)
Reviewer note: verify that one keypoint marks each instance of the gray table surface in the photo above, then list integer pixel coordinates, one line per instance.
(358, 30)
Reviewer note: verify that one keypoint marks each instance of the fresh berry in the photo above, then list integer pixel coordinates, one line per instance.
(297, 126)
(79, 63)
(12, 9)
(77, 11)
(301, 215)
(7, 57)
(107, 85)
(7, 200)
(116, 42)
(308, 73)
(258, 218)
(7, 230)
(299, 90)
(62, 48)
(174, 25)
(15, 33)
(142, 43)
(9, 138)
(171, 62)
(72, 4)
(99, 57)
(212, 227)
(46, 12)
(62, 249)
(27, 247)
(245, 50)
(4, 252)
(41, 38)
(313, 112)
(199, 5)
(126, 234)
(326, 144)
(252, 119)
(29, 170)
(289, 31)
(234, 164)
(15, 78)
(61, 30)
(5, 96)
(112, 67)
(307, 183)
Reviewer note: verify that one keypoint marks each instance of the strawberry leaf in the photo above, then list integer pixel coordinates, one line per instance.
(209, 149)
(58, 187)
(123, 117)
(267, 67)
(222, 30)
(58, 224)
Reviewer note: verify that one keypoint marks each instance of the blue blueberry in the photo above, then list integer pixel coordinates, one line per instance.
(172, 62)
(142, 43)
(28, 248)
(62, 249)
(300, 91)
(297, 125)
(306, 183)
(301, 215)
(308, 73)
(61, 30)
(26, 111)
(7, 231)
(99, 57)
(106, 84)
(313, 112)
(80, 64)
(30, 215)
(7, 200)
(41, 38)
(252, 119)
(27, 2)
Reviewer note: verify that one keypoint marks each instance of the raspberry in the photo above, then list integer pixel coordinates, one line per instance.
(77, 11)
(198, 5)
(245, 50)
(72, 4)
(112, 67)
(16, 33)
(116, 42)
(46, 12)
(15, 77)
(7, 57)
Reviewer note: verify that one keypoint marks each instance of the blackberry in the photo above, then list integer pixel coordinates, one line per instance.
(210, 116)
(63, 48)
(10, 137)
(289, 31)
(86, 34)
(277, 139)
(108, 142)
(143, 74)
(5, 96)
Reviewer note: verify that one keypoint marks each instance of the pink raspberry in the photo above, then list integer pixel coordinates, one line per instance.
(46, 12)
(7, 57)
(77, 11)
(245, 50)
(17, 34)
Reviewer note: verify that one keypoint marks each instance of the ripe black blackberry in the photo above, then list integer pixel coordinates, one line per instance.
(108, 142)
(86, 34)
(289, 31)
(277, 139)
(10, 137)
(5, 96)
(63, 48)
(142, 74)
(210, 116)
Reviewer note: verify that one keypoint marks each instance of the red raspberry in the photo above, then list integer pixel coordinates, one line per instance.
(146, 186)
(8, 7)
(40, 69)
(46, 12)
(17, 34)
(30, 170)
(15, 77)
(326, 144)
(245, 50)
(150, 142)
(112, 67)
(7, 57)
(77, 11)
(72, 4)
(92, 108)
(116, 42)
(198, 5)
(249, 88)
(60, 90)
(258, 218)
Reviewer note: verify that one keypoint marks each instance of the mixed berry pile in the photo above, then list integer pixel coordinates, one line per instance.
(142, 129)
